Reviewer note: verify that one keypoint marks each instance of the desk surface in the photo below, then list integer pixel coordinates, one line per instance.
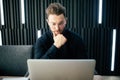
(22, 78)
(111, 77)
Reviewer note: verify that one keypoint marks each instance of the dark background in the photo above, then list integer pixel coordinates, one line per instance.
(82, 19)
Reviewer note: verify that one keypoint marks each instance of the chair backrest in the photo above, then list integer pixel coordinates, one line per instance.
(13, 59)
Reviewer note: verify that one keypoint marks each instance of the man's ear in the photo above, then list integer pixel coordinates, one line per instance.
(66, 18)
(47, 21)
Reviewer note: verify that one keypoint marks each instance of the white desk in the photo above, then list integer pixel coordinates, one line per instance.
(12, 78)
(111, 77)
(21, 78)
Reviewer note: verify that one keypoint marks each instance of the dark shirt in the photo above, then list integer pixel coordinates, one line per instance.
(74, 48)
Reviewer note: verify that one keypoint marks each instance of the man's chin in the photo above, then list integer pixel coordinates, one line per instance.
(57, 34)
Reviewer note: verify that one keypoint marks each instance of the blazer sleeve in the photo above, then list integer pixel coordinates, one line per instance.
(41, 52)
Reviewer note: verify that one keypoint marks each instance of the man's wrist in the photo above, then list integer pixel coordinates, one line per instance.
(56, 45)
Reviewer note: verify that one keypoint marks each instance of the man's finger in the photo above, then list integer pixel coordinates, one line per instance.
(54, 34)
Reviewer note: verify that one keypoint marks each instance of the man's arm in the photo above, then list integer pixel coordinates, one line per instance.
(42, 53)
(43, 48)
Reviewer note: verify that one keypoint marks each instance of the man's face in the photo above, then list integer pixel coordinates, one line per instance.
(56, 23)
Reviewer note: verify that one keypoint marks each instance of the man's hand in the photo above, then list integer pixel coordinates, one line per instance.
(59, 40)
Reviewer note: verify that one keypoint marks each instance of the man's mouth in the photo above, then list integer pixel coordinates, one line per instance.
(57, 32)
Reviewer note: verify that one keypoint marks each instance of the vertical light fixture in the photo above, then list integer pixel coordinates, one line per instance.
(100, 12)
(2, 12)
(38, 33)
(22, 12)
(0, 38)
(113, 50)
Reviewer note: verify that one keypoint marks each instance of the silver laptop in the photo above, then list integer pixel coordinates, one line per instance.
(50, 69)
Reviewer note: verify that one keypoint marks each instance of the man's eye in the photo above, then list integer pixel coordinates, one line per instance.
(61, 23)
(53, 24)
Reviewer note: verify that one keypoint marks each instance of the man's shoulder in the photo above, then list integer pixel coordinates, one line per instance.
(74, 34)
(45, 36)
(74, 37)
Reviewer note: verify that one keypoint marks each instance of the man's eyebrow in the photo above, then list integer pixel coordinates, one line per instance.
(54, 22)
(61, 22)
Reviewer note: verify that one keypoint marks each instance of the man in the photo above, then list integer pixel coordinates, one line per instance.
(59, 42)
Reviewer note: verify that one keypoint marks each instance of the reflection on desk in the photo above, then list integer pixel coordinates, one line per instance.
(14, 78)
(111, 77)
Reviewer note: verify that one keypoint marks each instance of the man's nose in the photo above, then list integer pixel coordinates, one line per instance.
(57, 27)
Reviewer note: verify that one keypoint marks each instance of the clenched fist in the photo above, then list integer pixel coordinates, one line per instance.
(59, 40)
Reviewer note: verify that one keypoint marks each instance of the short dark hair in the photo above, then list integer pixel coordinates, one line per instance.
(55, 8)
